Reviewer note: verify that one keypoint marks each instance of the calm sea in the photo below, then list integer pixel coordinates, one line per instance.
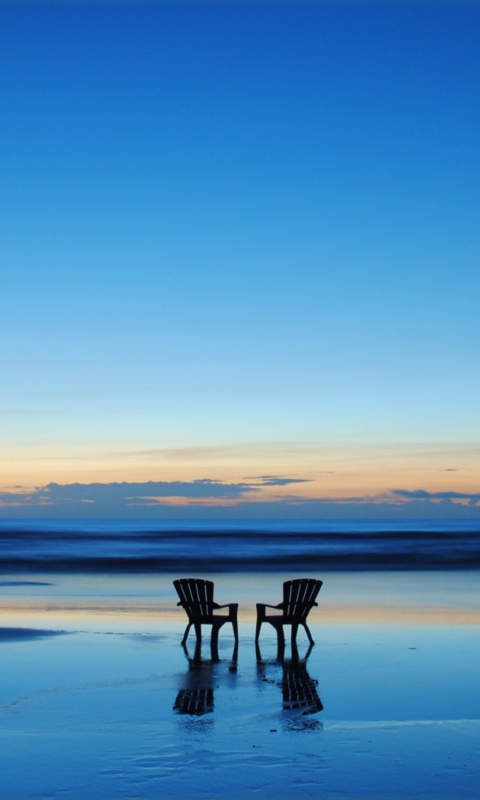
(120, 545)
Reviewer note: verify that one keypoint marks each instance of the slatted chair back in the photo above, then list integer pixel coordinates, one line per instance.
(196, 597)
(299, 598)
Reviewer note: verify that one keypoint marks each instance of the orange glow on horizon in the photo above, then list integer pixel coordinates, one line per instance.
(62, 611)
(339, 472)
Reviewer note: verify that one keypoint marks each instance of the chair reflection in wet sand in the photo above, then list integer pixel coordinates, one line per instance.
(194, 702)
(299, 598)
(196, 698)
(196, 598)
(299, 689)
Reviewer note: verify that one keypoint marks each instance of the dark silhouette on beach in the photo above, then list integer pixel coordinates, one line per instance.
(299, 598)
(196, 598)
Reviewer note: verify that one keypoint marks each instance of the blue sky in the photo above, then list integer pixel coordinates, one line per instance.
(241, 240)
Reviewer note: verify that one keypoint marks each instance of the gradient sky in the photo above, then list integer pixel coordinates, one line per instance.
(240, 247)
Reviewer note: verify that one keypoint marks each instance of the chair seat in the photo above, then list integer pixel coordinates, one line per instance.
(212, 619)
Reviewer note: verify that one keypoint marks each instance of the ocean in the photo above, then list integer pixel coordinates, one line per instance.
(236, 546)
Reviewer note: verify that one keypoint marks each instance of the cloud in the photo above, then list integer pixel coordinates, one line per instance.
(422, 494)
(274, 480)
(131, 492)
(124, 494)
(119, 495)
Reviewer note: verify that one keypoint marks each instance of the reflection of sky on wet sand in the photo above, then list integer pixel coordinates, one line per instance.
(394, 709)
(368, 674)
(99, 715)
(400, 597)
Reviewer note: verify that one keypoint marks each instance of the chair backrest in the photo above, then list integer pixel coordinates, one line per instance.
(299, 597)
(196, 597)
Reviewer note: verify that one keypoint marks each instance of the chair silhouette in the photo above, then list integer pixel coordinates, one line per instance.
(298, 600)
(196, 598)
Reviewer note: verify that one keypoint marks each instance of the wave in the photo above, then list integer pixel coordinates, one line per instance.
(74, 546)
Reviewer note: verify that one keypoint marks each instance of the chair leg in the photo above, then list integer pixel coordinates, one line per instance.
(307, 629)
(260, 619)
(280, 636)
(234, 613)
(295, 656)
(280, 647)
(214, 643)
(198, 631)
(185, 635)
(294, 633)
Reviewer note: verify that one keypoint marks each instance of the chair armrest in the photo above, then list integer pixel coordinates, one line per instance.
(267, 605)
(180, 603)
(226, 605)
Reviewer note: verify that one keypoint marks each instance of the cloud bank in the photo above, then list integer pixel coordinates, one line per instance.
(421, 494)
(208, 497)
(118, 497)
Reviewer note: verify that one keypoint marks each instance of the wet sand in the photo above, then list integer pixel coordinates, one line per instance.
(99, 700)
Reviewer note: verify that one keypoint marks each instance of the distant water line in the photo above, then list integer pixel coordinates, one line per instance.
(125, 545)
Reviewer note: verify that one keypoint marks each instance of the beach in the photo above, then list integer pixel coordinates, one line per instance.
(99, 699)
